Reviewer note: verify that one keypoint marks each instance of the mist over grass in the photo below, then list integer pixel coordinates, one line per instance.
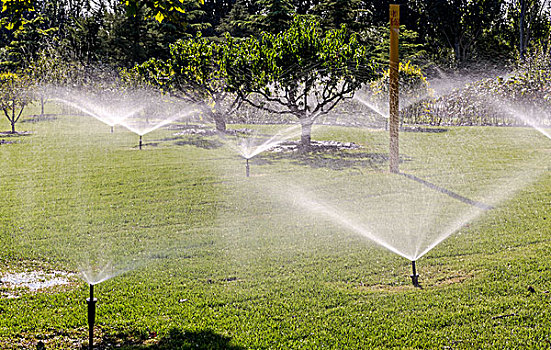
(197, 255)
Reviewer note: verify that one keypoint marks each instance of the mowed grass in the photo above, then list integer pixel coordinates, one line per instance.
(207, 258)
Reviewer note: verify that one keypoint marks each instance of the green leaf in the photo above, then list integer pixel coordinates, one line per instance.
(159, 17)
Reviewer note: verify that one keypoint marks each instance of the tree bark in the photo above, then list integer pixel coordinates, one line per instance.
(12, 127)
(306, 135)
(522, 43)
(219, 121)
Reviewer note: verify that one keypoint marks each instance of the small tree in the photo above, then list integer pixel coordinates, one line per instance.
(195, 72)
(14, 96)
(302, 71)
(49, 70)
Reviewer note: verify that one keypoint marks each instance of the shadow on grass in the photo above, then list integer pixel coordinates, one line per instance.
(447, 192)
(175, 339)
(197, 141)
(332, 159)
(37, 118)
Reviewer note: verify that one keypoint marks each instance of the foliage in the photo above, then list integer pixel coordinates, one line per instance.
(528, 23)
(238, 22)
(410, 77)
(14, 96)
(14, 11)
(275, 15)
(160, 9)
(410, 49)
(335, 13)
(28, 39)
(117, 33)
(461, 25)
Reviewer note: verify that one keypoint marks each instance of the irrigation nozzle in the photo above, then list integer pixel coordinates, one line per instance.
(91, 317)
(140, 145)
(112, 129)
(414, 275)
(247, 168)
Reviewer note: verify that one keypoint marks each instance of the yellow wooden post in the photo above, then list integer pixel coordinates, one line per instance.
(394, 112)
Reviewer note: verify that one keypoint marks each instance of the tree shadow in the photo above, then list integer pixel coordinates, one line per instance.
(447, 192)
(430, 130)
(332, 159)
(37, 118)
(196, 141)
(15, 134)
(176, 339)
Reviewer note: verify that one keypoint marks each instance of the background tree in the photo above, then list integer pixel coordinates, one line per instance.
(274, 17)
(238, 22)
(28, 39)
(302, 71)
(14, 96)
(528, 20)
(195, 72)
(460, 24)
(334, 13)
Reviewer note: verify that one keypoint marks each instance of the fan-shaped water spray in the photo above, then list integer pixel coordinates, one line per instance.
(445, 183)
(252, 145)
(138, 111)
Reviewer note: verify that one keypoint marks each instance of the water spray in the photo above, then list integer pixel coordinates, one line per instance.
(414, 275)
(91, 317)
(247, 168)
(140, 145)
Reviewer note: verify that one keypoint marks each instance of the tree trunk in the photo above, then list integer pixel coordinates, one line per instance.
(522, 42)
(12, 127)
(306, 136)
(42, 105)
(219, 121)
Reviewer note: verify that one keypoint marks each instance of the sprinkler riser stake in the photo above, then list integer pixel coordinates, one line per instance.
(140, 146)
(91, 317)
(247, 168)
(414, 275)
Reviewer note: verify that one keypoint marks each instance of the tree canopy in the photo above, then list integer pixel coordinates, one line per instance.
(303, 71)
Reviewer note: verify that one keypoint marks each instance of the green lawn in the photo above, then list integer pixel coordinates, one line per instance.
(203, 257)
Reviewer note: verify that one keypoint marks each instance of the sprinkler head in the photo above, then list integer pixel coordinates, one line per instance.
(414, 276)
(140, 145)
(247, 168)
(91, 317)
(112, 129)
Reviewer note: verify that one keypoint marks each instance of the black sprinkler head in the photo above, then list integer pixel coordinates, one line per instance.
(247, 168)
(140, 145)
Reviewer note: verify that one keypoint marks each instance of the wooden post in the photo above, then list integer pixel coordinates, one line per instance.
(394, 112)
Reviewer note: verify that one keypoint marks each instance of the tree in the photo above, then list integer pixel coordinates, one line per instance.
(409, 47)
(195, 72)
(14, 96)
(460, 24)
(49, 70)
(28, 39)
(531, 18)
(275, 15)
(159, 9)
(334, 13)
(238, 21)
(302, 71)
(14, 11)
